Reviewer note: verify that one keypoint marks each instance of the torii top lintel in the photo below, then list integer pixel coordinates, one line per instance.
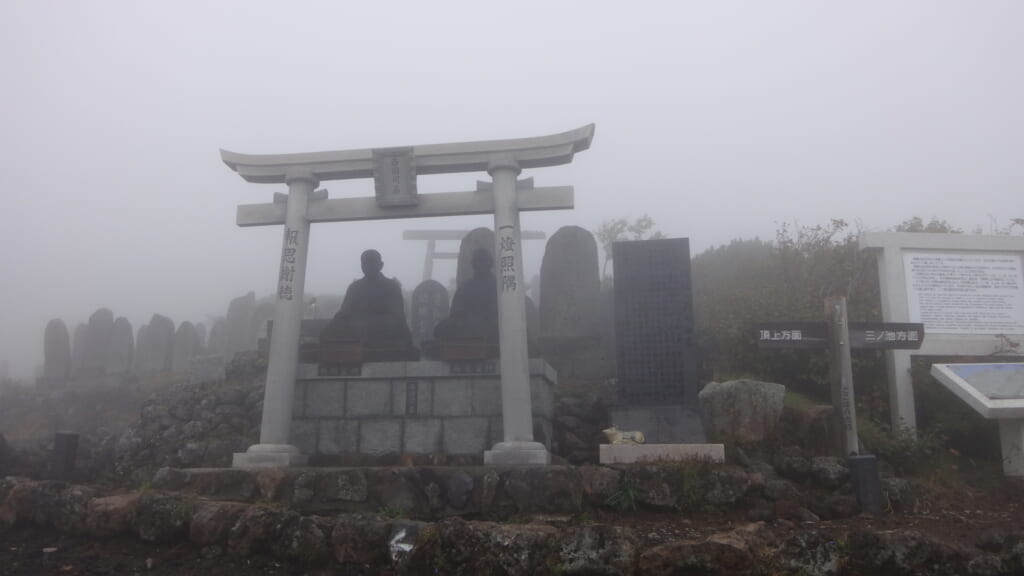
(536, 152)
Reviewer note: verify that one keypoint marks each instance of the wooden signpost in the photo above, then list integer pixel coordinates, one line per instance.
(838, 336)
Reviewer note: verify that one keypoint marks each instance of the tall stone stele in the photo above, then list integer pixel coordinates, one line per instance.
(56, 352)
(186, 346)
(78, 349)
(121, 351)
(156, 345)
(239, 329)
(570, 305)
(655, 344)
(97, 340)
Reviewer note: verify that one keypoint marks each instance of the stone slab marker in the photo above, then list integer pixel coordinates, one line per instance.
(430, 305)
(477, 238)
(217, 341)
(394, 171)
(156, 345)
(570, 285)
(56, 352)
(97, 340)
(186, 346)
(239, 333)
(121, 351)
(655, 349)
(78, 349)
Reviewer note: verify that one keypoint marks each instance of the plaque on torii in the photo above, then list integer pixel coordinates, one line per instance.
(394, 171)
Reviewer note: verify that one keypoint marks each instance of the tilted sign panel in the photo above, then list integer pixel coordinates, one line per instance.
(656, 352)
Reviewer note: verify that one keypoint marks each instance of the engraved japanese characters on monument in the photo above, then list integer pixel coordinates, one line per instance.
(394, 177)
(965, 292)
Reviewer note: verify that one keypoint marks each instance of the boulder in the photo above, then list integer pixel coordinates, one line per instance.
(598, 549)
(829, 472)
(454, 546)
(163, 517)
(360, 539)
(742, 411)
(904, 552)
(112, 515)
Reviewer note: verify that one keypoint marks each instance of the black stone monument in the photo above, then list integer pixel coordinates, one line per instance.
(656, 351)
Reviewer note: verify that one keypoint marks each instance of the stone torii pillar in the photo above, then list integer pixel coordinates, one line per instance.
(394, 171)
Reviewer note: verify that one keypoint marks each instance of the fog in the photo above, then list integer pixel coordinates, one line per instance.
(720, 120)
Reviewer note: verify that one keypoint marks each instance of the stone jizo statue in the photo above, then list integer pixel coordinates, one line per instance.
(474, 313)
(373, 312)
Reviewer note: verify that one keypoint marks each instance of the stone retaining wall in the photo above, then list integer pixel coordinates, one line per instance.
(410, 408)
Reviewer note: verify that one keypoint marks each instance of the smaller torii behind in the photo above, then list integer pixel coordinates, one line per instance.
(394, 171)
(433, 236)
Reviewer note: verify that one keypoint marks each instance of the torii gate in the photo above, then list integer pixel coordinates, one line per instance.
(394, 171)
(432, 237)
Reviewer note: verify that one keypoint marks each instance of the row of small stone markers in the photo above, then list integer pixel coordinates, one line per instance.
(107, 347)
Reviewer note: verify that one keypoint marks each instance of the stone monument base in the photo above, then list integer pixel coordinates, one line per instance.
(639, 453)
(381, 413)
(667, 424)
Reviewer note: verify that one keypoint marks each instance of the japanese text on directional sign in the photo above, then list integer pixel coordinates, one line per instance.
(863, 335)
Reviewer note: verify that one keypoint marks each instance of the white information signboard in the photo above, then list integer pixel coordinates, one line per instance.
(965, 292)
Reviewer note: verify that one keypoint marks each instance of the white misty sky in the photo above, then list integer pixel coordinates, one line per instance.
(719, 119)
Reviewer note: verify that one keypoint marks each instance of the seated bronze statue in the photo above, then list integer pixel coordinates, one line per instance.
(371, 318)
(474, 312)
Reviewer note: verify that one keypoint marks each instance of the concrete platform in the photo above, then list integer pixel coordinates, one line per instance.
(647, 453)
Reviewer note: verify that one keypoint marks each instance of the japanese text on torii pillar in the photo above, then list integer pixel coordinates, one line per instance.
(507, 261)
(284, 281)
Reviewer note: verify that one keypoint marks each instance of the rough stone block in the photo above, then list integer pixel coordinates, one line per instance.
(380, 436)
(452, 398)
(303, 435)
(465, 435)
(338, 436)
(325, 398)
(368, 398)
(486, 396)
(422, 436)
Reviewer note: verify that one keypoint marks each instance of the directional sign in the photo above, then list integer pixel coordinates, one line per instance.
(863, 335)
